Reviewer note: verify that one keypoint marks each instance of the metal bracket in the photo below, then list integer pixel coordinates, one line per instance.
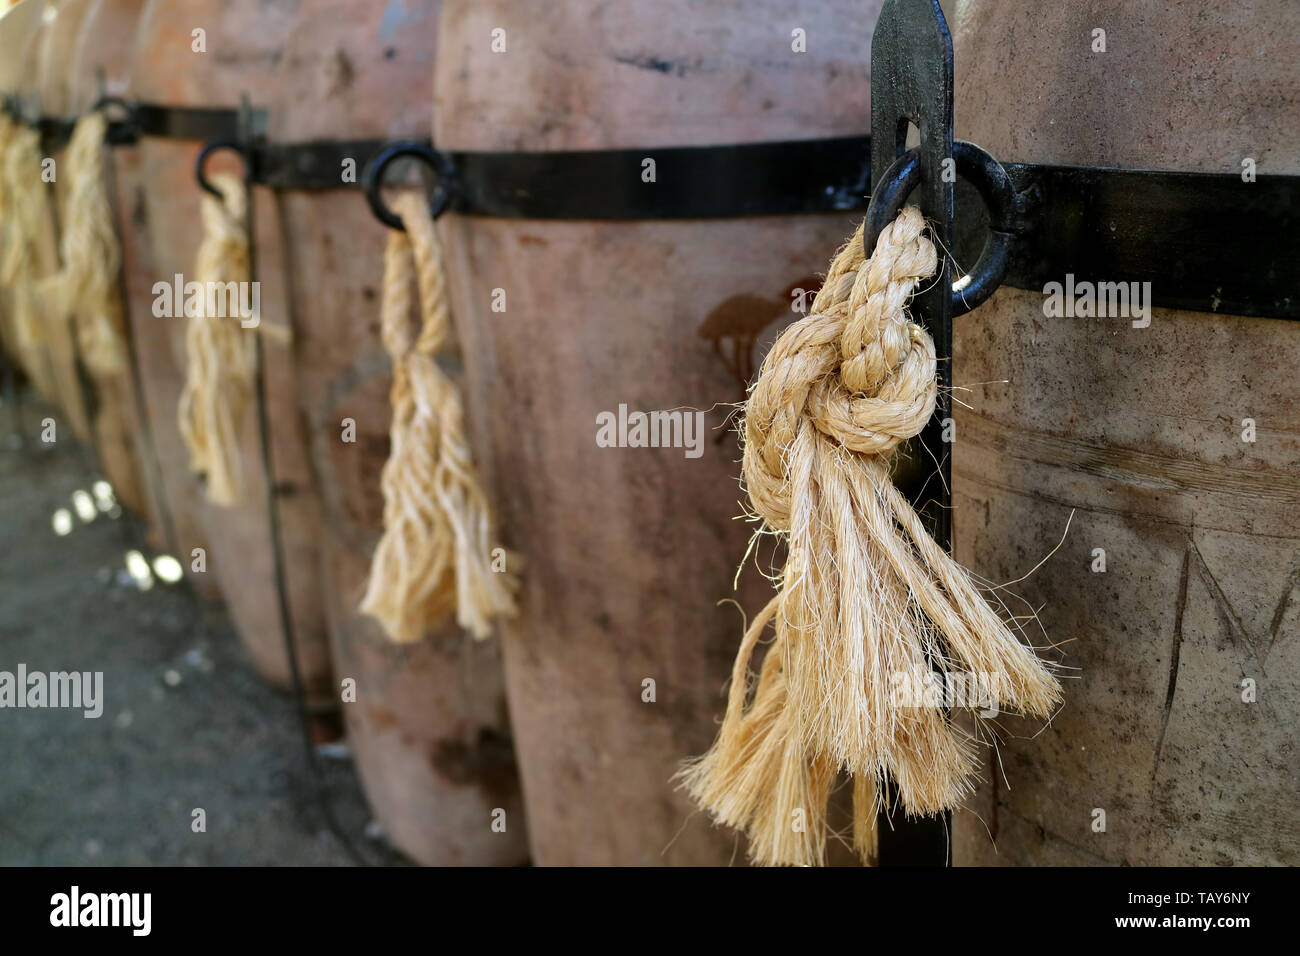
(912, 82)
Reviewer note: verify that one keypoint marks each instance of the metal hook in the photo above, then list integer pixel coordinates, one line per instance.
(210, 148)
(990, 179)
(373, 177)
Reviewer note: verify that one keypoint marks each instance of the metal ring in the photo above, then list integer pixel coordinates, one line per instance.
(123, 131)
(373, 178)
(106, 101)
(208, 149)
(887, 199)
(990, 179)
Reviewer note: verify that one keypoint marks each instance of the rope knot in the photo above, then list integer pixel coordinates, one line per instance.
(856, 367)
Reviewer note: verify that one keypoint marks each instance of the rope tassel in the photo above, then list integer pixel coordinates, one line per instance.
(91, 256)
(868, 603)
(435, 555)
(220, 357)
(22, 208)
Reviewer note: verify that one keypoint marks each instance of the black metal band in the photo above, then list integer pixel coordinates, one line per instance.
(191, 122)
(313, 165)
(677, 182)
(200, 123)
(1207, 242)
(688, 182)
(54, 132)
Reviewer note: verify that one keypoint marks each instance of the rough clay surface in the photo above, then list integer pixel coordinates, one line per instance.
(1139, 433)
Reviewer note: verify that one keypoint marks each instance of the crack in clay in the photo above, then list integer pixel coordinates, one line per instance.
(1175, 651)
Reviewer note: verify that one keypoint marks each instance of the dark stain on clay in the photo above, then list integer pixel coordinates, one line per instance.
(488, 764)
(741, 319)
(139, 209)
(647, 62)
(339, 73)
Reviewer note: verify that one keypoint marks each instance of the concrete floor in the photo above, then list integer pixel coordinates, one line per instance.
(186, 722)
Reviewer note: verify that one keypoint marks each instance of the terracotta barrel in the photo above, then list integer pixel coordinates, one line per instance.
(56, 368)
(54, 49)
(1157, 758)
(108, 397)
(629, 550)
(242, 43)
(107, 40)
(428, 727)
(103, 47)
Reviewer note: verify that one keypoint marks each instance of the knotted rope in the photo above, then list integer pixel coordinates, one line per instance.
(220, 357)
(435, 555)
(90, 252)
(868, 602)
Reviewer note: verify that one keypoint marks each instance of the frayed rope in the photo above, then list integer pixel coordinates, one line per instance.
(91, 255)
(435, 555)
(219, 352)
(22, 210)
(868, 602)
